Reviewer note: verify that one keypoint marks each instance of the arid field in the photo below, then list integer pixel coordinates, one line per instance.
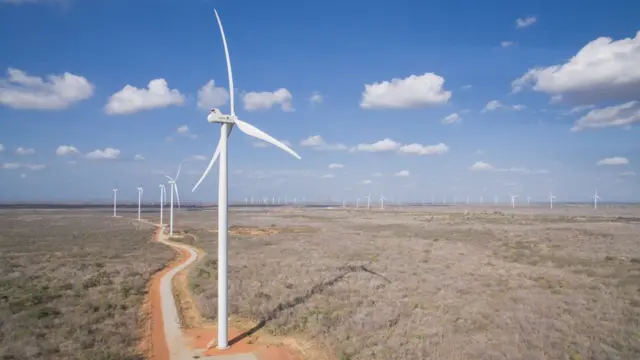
(400, 283)
(72, 284)
(432, 282)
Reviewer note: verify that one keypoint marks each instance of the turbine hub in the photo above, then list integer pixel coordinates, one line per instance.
(216, 116)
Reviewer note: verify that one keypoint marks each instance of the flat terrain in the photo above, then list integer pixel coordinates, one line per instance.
(433, 282)
(72, 284)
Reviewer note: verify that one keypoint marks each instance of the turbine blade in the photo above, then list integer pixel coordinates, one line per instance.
(213, 160)
(178, 173)
(226, 53)
(259, 134)
(175, 187)
(169, 177)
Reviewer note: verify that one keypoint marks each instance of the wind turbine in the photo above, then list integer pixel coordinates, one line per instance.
(382, 199)
(115, 197)
(513, 200)
(174, 188)
(551, 197)
(595, 199)
(140, 191)
(163, 198)
(481, 200)
(528, 200)
(227, 122)
(368, 201)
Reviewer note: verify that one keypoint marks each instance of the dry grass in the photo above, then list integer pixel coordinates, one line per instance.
(433, 285)
(69, 285)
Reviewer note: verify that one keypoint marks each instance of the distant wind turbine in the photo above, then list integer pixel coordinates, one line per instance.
(595, 199)
(115, 197)
(140, 190)
(551, 197)
(163, 199)
(513, 200)
(382, 199)
(528, 200)
(174, 188)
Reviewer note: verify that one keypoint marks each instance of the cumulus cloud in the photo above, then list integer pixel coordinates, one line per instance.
(266, 100)
(316, 142)
(481, 166)
(378, 146)
(131, 99)
(184, 131)
(418, 149)
(604, 69)
(451, 119)
(25, 151)
(336, 166)
(34, 167)
(492, 105)
(316, 98)
(210, 96)
(415, 91)
(388, 145)
(138, 157)
(65, 150)
(616, 160)
(403, 173)
(22, 91)
(106, 154)
(613, 116)
(518, 107)
(525, 22)
(366, 182)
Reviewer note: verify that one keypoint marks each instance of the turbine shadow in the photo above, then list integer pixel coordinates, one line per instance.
(316, 289)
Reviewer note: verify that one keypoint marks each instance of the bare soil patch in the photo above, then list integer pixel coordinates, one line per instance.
(433, 284)
(73, 283)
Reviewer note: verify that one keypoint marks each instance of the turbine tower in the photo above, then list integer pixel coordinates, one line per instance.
(163, 198)
(382, 199)
(227, 122)
(595, 199)
(174, 188)
(368, 201)
(140, 190)
(551, 197)
(513, 200)
(115, 197)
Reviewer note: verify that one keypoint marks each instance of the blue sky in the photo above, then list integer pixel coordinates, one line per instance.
(503, 97)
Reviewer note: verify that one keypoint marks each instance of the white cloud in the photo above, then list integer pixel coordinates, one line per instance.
(1, 148)
(22, 91)
(184, 131)
(132, 99)
(616, 160)
(522, 23)
(106, 154)
(481, 166)
(580, 108)
(403, 173)
(266, 100)
(452, 119)
(366, 182)
(328, 176)
(318, 143)
(618, 115)
(336, 166)
(467, 87)
(418, 149)
(316, 98)
(603, 69)
(492, 105)
(64, 150)
(210, 96)
(196, 158)
(34, 167)
(25, 151)
(138, 157)
(506, 44)
(518, 107)
(414, 91)
(378, 146)
(627, 173)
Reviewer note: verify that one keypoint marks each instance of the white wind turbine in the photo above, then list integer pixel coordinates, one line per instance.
(513, 200)
(163, 198)
(174, 188)
(140, 191)
(595, 199)
(115, 197)
(382, 199)
(551, 197)
(227, 122)
(368, 197)
(528, 200)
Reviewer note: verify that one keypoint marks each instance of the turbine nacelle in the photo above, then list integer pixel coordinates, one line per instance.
(216, 116)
